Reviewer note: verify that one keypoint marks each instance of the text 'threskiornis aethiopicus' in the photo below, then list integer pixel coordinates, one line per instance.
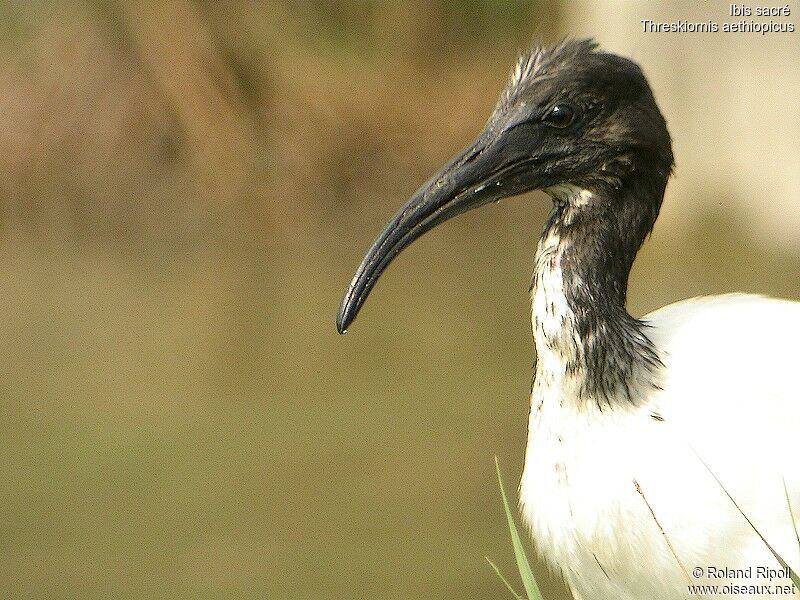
(649, 439)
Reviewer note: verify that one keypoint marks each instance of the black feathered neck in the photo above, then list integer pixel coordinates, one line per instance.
(580, 283)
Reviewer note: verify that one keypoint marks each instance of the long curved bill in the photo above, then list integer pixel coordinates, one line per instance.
(484, 172)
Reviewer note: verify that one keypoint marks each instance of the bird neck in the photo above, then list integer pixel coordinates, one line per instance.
(588, 347)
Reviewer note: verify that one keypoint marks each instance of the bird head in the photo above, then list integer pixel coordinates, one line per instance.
(575, 122)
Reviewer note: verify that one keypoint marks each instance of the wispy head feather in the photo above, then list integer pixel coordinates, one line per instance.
(539, 63)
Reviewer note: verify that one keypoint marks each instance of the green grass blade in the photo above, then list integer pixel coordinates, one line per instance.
(795, 578)
(791, 514)
(503, 579)
(519, 550)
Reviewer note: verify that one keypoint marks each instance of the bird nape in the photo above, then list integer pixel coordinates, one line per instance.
(651, 441)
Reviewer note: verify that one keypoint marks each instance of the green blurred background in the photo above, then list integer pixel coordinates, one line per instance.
(186, 190)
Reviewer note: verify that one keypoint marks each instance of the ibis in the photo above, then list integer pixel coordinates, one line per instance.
(663, 454)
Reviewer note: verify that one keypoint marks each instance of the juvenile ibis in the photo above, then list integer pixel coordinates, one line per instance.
(660, 449)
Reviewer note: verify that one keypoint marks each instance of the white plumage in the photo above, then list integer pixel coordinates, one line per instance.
(729, 405)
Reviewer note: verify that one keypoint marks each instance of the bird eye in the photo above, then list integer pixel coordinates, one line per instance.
(560, 116)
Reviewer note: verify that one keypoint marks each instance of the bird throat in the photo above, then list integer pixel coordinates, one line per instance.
(589, 349)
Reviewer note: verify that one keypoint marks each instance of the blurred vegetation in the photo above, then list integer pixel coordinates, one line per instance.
(186, 188)
(171, 121)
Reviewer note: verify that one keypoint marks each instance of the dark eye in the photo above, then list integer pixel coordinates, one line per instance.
(560, 116)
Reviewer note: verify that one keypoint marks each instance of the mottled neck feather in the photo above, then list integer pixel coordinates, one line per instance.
(587, 344)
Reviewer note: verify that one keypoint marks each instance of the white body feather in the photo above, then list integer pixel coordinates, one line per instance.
(625, 504)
